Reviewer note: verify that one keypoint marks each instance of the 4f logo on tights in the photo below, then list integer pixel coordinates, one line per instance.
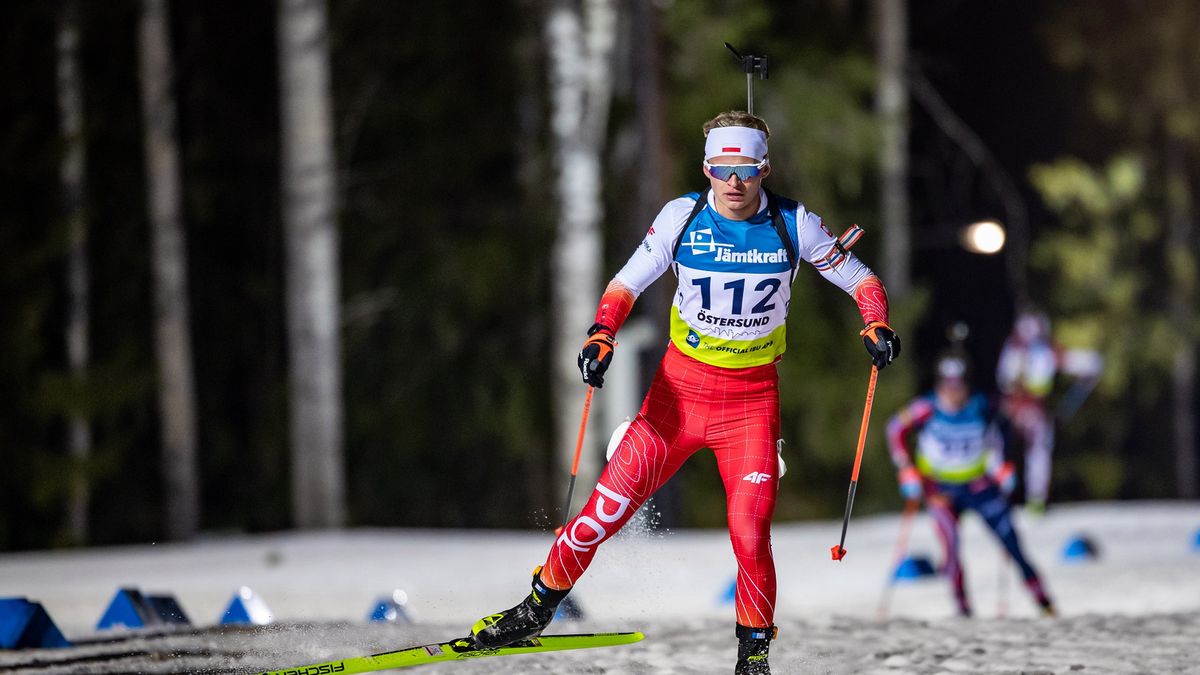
(757, 477)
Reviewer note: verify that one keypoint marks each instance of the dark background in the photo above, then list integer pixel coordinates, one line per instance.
(446, 218)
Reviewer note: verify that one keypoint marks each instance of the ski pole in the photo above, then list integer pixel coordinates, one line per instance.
(906, 520)
(587, 406)
(1002, 586)
(839, 551)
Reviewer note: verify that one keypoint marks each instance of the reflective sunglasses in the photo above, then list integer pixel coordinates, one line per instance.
(722, 172)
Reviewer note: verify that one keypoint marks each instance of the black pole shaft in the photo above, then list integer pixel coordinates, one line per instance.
(846, 518)
(567, 508)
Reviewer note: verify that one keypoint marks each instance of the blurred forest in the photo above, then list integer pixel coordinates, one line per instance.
(1083, 116)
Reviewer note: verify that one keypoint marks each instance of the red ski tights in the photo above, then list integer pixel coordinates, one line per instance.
(692, 405)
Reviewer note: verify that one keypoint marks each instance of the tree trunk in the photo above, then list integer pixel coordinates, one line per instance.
(1181, 261)
(310, 231)
(71, 172)
(651, 107)
(1180, 255)
(653, 159)
(176, 396)
(581, 87)
(891, 103)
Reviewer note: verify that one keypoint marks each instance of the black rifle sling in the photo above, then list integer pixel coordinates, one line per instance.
(781, 229)
(701, 202)
(776, 220)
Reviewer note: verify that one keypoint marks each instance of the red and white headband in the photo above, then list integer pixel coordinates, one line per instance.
(741, 141)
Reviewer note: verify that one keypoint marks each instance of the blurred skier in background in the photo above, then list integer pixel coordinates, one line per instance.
(958, 464)
(1025, 374)
(734, 248)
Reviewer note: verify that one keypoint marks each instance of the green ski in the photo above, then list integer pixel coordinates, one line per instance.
(462, 648)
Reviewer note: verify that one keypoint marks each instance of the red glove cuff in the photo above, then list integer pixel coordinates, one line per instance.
(615, 305)
(872, 300)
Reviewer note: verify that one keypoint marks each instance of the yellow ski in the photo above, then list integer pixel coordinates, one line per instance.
(461, 648)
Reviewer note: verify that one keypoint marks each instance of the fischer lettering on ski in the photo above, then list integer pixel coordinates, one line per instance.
(323, 669)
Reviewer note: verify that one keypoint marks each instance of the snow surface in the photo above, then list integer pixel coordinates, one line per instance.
(1136, 609)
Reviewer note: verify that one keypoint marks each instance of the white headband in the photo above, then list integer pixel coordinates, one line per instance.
(741, 141)
(951, 367)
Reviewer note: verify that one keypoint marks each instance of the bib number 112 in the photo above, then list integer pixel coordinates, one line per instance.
(768, 287)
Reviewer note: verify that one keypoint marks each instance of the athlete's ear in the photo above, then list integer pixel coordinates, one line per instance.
(766, 171)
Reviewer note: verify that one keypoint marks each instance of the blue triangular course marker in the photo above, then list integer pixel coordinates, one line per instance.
(1079, 549)
(1196, 542)
(128, 609)
(246, 608)
(168, 610)
(132, 610)
(25, 624)
(391, 609)
(914, 567)
(569, 610)
(730, 594)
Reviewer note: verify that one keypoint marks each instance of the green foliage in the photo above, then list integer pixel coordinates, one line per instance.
(446, 215)
(446, 267)
(816, 101)
(1139, 79)
(1114, 271)
(1094, 270)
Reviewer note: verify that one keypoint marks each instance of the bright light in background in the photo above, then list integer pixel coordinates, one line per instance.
(986, 237)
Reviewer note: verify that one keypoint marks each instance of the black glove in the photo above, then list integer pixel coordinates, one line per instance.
(882, 343)
(596, 354)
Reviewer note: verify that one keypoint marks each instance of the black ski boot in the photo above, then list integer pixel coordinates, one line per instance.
(522, 622)
(753, 645)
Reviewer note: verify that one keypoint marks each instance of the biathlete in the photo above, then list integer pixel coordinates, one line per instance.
(958, 465)
(734, 249)
(1025, 373)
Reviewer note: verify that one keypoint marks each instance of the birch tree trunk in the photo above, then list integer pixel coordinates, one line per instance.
(891, 103)
(71, 174)
(176, 389)
(310, 232)
(580, 45)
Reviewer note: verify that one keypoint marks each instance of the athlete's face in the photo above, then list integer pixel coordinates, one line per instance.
(952, 393)
(736, 198)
